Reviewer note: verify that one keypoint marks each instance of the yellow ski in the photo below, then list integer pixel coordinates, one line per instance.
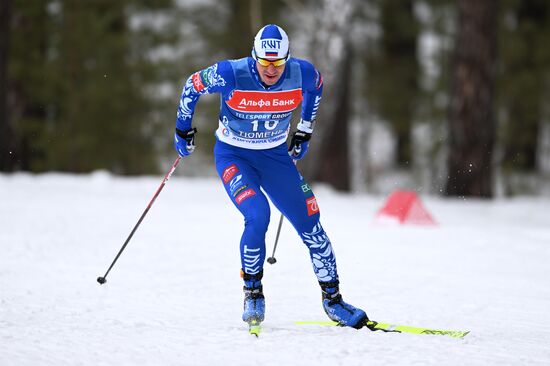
(387, 327)
(254, 328)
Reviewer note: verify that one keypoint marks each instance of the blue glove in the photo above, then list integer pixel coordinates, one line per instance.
(184, 141)
(299, 144)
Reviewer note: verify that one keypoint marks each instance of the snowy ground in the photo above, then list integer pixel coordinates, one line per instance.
(174, 297)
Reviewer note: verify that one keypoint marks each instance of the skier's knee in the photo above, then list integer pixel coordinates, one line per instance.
(257, 221)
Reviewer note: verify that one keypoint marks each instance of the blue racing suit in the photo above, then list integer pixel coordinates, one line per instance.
(251, 152)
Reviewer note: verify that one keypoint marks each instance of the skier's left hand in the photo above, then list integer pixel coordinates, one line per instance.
(299, 144)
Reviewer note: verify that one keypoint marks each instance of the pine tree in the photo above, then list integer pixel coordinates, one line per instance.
(329, 48)
(7, 146)
(394, 73)
(80, 76)
(472, 117)
(525, 60)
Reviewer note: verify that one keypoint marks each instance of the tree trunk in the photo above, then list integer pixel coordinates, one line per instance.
(472, 120)
(521, 135)
(6, 132)
(330, 50)
(396, 78)
(334, 153)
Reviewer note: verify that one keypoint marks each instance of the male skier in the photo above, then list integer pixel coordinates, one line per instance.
(258, 95)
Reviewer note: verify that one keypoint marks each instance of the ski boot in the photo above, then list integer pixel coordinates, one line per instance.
(340, 311)
(254, 301)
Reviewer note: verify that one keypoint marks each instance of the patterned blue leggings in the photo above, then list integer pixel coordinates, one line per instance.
(243, 173)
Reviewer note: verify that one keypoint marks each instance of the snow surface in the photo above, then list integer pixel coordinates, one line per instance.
(175, 297)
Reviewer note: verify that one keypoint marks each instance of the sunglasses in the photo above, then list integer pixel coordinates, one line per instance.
(264, 62)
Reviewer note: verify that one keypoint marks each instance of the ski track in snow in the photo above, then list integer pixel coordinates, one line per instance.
(175, 296)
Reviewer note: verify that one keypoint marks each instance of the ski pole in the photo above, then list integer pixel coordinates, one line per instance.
(272, 259)
(103, 279)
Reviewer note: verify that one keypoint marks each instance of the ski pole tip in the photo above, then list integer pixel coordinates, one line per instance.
(101, 280)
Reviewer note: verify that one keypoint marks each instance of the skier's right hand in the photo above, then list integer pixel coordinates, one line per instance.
(184, 141)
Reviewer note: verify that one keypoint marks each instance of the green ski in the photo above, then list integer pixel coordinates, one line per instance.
(387, 327)
(254, 328)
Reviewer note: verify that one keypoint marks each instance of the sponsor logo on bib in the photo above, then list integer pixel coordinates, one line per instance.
(258, 101)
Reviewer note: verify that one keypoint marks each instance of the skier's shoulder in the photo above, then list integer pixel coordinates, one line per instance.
(311, 77)
(305, 65)
(238, 63)
(217, 75)
(222, 67)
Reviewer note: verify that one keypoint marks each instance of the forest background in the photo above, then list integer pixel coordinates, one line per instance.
(441, 97)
